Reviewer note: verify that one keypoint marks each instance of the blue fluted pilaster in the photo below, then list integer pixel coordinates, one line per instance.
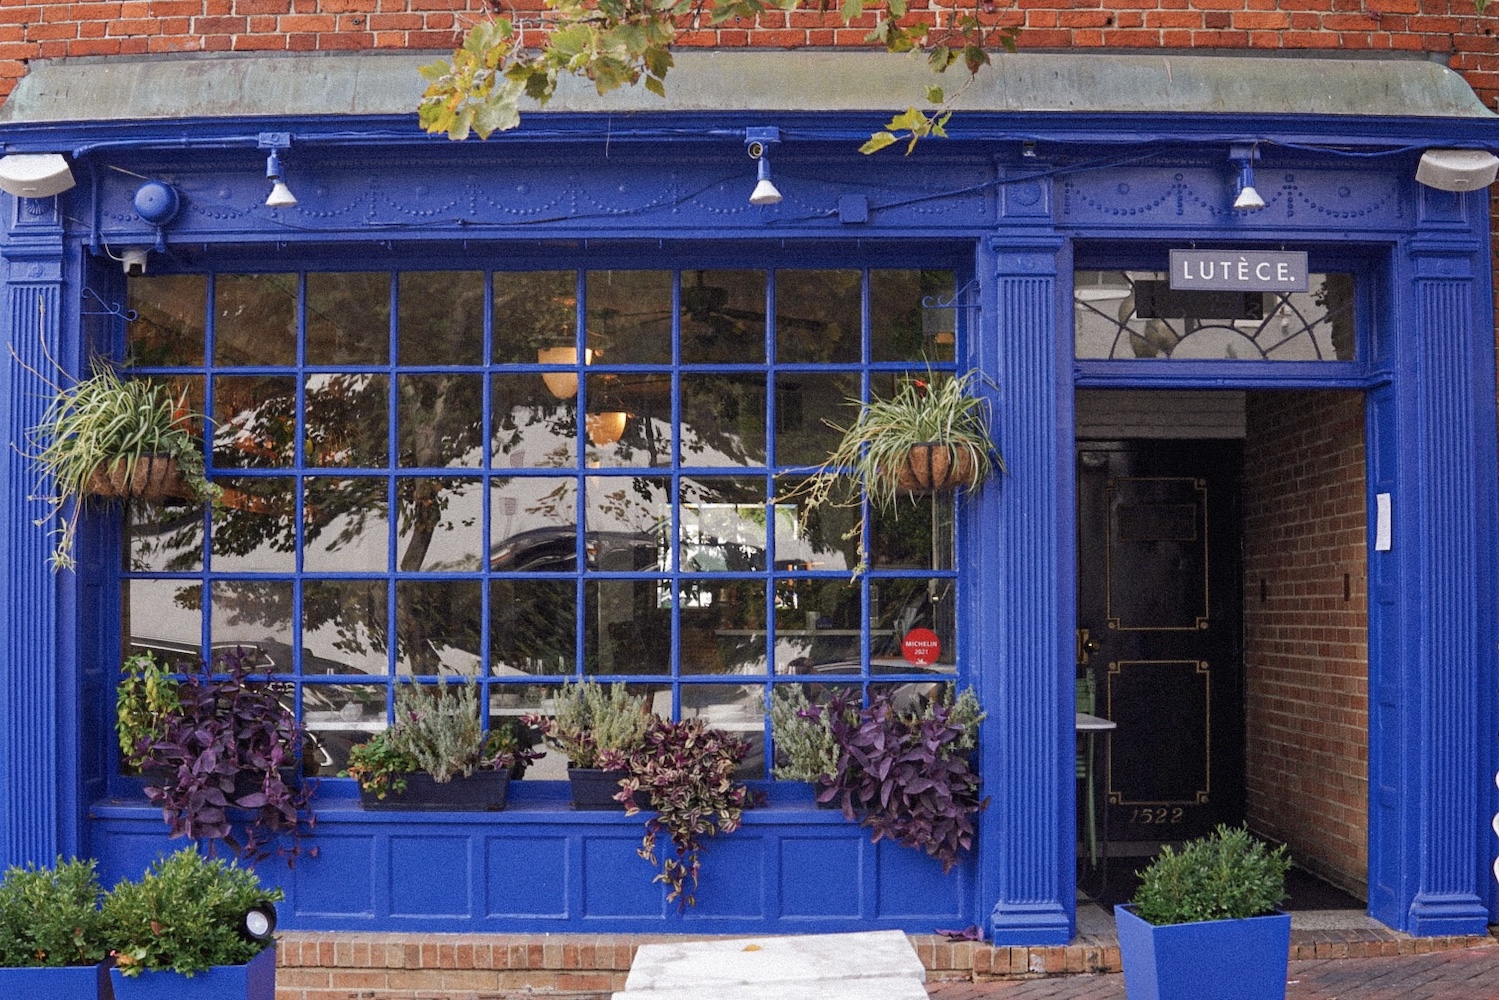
(1025, 600)
(31, 762)
(1450, 561)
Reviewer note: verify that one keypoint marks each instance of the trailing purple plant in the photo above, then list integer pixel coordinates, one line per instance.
(909, 776)
(684, 771)
(231, 745)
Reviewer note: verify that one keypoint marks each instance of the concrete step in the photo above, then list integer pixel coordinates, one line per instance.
(777, 967)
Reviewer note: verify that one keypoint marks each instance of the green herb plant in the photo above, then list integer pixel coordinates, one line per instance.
(145, 700)
(437, 730)
(589, 719)
(50, 916)
(107, 423)
(806, 749)
(874, 449)
(184, 915)
(1227, 875)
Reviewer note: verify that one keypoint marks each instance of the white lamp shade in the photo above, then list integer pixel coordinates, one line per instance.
(1455, 169)
(765, 193)
(35, 175)
(1249, 200)
(280, 196)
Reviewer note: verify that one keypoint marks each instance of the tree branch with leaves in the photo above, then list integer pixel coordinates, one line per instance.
(617, 43)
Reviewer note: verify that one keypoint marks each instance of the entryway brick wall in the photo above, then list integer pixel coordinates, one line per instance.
(1306, 629)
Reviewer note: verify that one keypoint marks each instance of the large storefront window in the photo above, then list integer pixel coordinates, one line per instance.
(525, 477)
(1136, 314)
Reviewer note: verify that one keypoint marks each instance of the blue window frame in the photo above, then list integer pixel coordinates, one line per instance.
(407, 456)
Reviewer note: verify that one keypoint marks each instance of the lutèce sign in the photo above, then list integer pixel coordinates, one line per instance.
(1239, 270)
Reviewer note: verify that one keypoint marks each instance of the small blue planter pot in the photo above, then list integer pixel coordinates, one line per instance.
(1212, 960)
(73, 982)
(255, 980)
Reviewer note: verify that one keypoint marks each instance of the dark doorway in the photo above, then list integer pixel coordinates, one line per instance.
(1160, 623)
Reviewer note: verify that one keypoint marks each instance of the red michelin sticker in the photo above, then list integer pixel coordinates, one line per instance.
(921, 647)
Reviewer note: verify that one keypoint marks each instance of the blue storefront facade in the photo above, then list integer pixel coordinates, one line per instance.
(369, 354)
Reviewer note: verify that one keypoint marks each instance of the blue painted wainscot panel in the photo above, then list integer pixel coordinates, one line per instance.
(540, 866)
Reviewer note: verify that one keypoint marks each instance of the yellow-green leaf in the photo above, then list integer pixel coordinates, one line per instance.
(877, 141)
(934, 95)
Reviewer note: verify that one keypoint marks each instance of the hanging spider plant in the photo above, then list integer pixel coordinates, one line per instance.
(113, 437)
(931, 435)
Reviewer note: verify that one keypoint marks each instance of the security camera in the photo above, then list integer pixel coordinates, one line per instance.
(755, 150)
(134, 261)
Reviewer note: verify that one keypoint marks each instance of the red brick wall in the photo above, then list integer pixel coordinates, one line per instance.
(1306, 629)
(44, 29)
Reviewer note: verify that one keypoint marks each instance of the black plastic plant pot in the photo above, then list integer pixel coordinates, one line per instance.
(483, 791)
(594, 789)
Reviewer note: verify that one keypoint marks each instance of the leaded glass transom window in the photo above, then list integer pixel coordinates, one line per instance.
(525, 477)
(1136, 314)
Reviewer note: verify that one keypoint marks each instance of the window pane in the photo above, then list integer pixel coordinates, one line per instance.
(897, 606)
(530, 427)
(532, 627)
(441, 318)
(628, 421)
(162, 539)
(723, 420)
(629, 317)
(917, 534)
(723, 626)
(534, 309)
(348, 319)
(255, 319)
(533, 524)
(806, 403)
(440, 526)
(1136, 314)
(345, 524)
(255, 615)
(438, 627)
(255, 419)
(337, 717)
(911, 316)
(818, 316)
(723, 317)
(164, 617)
(737, 709)
(722, 524)
(171, 316)
(627, 518)
(347, 421)
(344, 627)
(818, 627)
(441, 420)
(824, 538)
(255, 526)
(627, 627)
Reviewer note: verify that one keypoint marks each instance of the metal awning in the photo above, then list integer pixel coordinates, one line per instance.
(197, 86)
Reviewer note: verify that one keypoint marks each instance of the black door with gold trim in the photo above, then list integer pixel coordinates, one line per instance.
(1160, 621)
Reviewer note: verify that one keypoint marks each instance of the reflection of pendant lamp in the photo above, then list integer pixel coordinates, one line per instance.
(605, 428)
(563, 385)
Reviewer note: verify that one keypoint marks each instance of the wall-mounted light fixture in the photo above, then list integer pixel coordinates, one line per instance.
(157, 203)
(1243, 154)
(756, 143)
(277, 142)
(35, 175)
(258, 922)
(1454, 169)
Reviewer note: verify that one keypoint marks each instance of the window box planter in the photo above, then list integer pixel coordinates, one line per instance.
(1210, 960)
(483, 791)
(255, 980)
(71, 982)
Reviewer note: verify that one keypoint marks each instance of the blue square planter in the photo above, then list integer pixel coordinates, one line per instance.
(73, 982)
(255, 980)
(1211, 960)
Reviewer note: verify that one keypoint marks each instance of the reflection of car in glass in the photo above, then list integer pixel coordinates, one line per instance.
(555, 549)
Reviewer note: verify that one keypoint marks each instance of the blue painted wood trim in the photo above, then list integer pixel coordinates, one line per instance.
(32, 764)
(1449, 558)
(1031, 600)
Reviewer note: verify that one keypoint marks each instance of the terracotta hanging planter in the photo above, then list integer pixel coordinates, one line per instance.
(934, 467)
(152, 478)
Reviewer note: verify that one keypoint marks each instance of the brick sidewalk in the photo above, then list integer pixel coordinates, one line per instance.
(1466, 974)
